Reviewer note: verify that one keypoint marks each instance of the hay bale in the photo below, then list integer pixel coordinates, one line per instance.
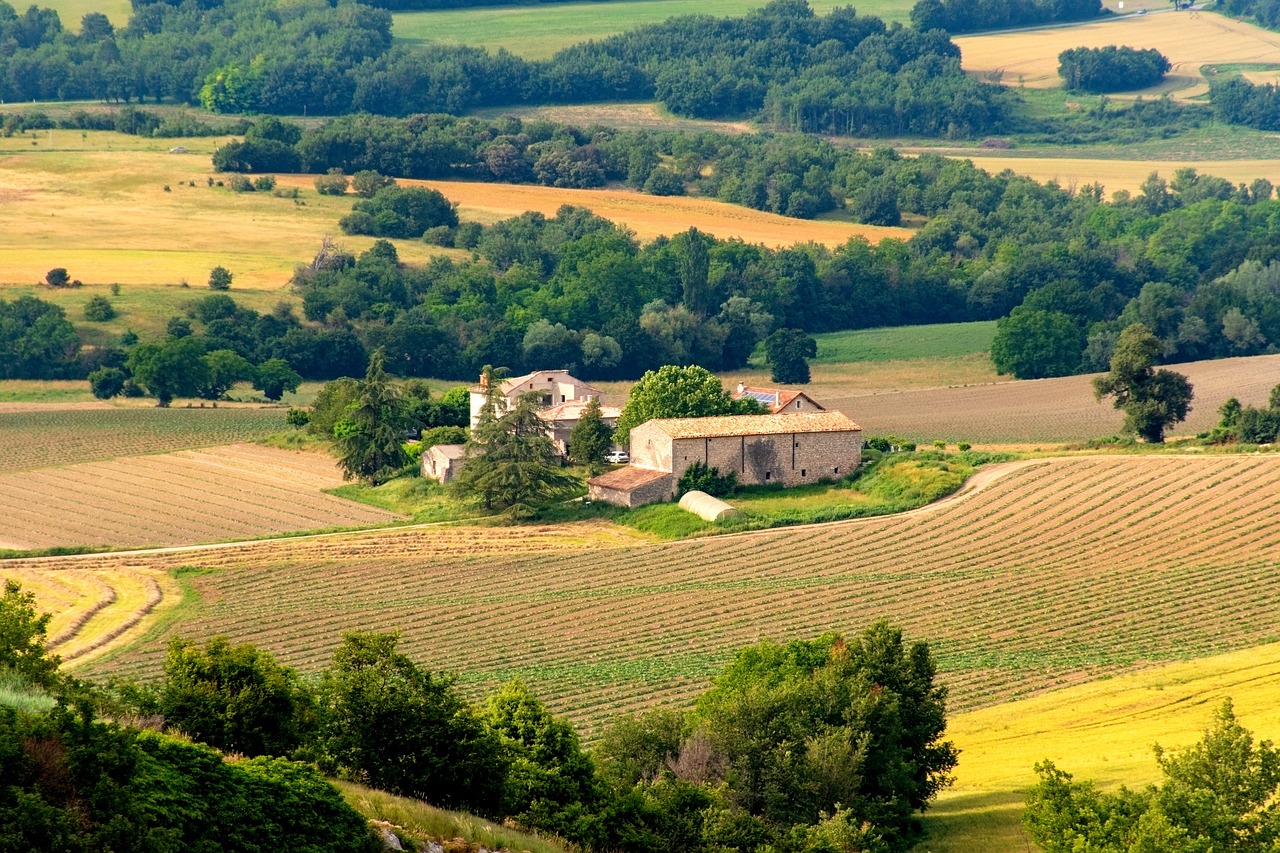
(708, 508)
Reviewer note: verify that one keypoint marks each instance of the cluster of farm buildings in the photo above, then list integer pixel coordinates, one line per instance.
(797, 441)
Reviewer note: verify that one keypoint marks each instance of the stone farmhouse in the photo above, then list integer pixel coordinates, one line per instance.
(780, 448)
(562, 397)
(779, 401)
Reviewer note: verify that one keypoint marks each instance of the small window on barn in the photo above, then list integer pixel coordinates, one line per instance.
(797, 444)
(804, 473)
(797, 404)
(836, 469)
(768, 475)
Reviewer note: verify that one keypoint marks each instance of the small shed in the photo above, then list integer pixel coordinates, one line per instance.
(442, 462)
(630, 487)
(708, 508)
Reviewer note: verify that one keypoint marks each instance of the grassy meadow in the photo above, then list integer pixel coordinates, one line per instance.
(538, 31)
(901, 343)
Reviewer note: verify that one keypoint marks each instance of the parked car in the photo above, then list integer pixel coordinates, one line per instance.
(617, 457)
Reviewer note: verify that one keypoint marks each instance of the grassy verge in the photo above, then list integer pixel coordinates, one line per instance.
(421, 823)
(421, 499)
(884, 485)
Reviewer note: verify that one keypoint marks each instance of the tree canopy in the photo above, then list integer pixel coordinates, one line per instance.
(1152, 400)
(678, 392)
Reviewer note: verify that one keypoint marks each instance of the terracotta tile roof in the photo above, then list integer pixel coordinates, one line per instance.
(572, 411)
(729, 425)
(625, 479)
(774, 399)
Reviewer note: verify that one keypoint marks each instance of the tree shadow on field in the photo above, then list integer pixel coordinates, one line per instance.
(974, 821)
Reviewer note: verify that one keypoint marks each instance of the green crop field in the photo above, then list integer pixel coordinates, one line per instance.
(71, 11)
(35, 436)
(1055, 573)
(940, 340)
(538, 31)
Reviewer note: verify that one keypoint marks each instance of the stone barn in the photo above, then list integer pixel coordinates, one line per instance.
(790, 449)
(443, 461)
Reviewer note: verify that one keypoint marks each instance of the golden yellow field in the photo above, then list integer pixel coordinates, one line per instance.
(1102, 731)
(1189, 40)
(1124, 174)
(236, 492)
(648, 216)
(94, 202)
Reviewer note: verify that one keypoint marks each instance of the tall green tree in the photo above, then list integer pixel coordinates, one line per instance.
(511, 463)
(22, 638)
(678, 392)
(369, 432)
(794, 731)
(396, 726)
(1152, 400)
(174, 368)
(274, 377)
(235, 698)
(1033, 344)
(788, 352)
(590, 438)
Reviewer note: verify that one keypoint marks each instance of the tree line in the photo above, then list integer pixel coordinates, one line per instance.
(834, 73)
(963, 16)
(815, 746)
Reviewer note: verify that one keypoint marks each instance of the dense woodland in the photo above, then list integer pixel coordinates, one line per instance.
(836, 73)
(1191, 258)
(965, 16)
(1111, 68)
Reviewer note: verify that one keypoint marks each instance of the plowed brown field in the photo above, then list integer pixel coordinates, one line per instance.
(1043, 410)
(1058, 571)
(234, 492)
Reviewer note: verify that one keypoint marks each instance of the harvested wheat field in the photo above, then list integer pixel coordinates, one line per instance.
(1045, 410)
(1190, 40)
(96, 203)
(653, 216)
(1057, 572)
(1123, 174)
(234, 492)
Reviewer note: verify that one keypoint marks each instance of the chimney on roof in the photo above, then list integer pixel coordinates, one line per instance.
(741, 387)
(484, 381)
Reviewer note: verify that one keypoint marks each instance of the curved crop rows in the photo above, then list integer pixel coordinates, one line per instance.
(233, 492)
(1059, 571)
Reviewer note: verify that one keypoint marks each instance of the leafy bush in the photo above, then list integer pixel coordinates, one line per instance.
(699, 478)
(333, 183)
(99, 310)
(240, 184)
(403, 213)
(265, 183)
